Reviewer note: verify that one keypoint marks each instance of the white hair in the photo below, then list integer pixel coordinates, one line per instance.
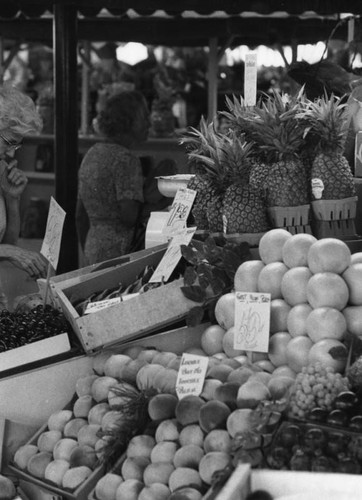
(18, 112)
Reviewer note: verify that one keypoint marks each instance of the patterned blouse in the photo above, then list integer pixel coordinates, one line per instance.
(109, 173)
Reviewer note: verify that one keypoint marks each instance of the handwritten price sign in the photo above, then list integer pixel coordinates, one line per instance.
(191, 375)
(53, 233)
(179, 212)
(250, 79)
(252, 321)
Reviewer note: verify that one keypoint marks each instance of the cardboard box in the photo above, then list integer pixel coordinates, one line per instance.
(61, 281)
(36, 351)
(145, 313)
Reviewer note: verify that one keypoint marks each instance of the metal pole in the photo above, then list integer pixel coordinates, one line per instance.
(212, 78)
(66, 128)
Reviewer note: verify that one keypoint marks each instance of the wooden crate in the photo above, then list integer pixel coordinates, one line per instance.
(145, 313)
(60, 281)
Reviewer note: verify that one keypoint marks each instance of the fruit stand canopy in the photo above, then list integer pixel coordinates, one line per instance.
(187, 22)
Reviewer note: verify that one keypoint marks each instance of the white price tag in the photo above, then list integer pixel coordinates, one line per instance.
(172, 255)
(93, 307)
(53, 233)
(191, 375)
(250, 79)
(252, 321)
(179, 211)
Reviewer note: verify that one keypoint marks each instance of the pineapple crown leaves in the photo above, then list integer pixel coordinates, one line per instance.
(210, 273)
(326, 118)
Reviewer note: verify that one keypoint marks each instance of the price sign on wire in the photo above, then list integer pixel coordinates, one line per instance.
(172, 255)
(52, 239)
(252, 321)
(179, 211)
(250, 79)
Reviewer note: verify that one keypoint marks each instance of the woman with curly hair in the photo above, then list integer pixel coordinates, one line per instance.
(18, 118)
(110, 180)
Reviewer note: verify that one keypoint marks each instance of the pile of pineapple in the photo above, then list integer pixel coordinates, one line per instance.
(274, 155)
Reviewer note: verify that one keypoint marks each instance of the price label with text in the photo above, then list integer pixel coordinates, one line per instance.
(93, 307)
(53, 233)
(179, 212)
(172, 255)
(250, 79)
(191, 375)
(252, 321)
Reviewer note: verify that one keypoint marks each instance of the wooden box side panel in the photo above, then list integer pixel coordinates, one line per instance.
(144, 313)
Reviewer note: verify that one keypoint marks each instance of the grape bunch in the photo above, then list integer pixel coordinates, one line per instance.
(315, 386)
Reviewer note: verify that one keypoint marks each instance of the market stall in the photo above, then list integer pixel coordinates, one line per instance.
(225, 360)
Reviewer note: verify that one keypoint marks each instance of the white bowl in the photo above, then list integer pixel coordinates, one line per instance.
(168, 185)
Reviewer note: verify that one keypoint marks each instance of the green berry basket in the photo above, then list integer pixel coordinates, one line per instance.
(289, 216)
(328, 210)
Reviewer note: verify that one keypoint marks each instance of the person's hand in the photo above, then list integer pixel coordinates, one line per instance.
(31, 262)
(13, 180)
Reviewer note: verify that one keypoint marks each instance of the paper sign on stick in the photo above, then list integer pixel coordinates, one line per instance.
(252, 321)
(53, 233)
(250, 78)
(93, 307)
(191, 375)
(172, 255)
(179, 212)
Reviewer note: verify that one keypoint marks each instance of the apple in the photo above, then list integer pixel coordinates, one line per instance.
(115, 365)
(74, 477)
(88, 435)
(111, 420)
(58, 419)
(23, 454)
(99, 361)
(107, 486)
(83, 455)
(7, 488)
(129, 489)
(38, 463)
(55, 471)
(71, 429)
(101, 386)
(83, 385)
(82, 406)
(277, 348)
(167, 431)
(97, 412)
(209, 388)
(48, 439)
(64, 448)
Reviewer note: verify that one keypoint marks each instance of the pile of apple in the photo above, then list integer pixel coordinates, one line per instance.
(71, 445)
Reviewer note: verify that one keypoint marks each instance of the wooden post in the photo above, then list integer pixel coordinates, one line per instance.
(65, 25)
(212, 78)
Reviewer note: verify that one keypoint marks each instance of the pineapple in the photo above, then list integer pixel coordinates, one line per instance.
(210, 177)
(279, 137)
(331, 175)
(244, 209)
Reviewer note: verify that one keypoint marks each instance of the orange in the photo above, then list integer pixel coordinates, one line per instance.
(320, 352)
(246, 276)
(271, 245)
(326, 322)
(278, 347)
(279, 311)
(297, 317)
(297, 352)
(353, 315)
(356, 257)
(211, 339)
(225, 310)
(327, 289)
(295, 249)
(329, 255)
(353, 277)
(228, 344)
(270, 278)
(294, 285)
